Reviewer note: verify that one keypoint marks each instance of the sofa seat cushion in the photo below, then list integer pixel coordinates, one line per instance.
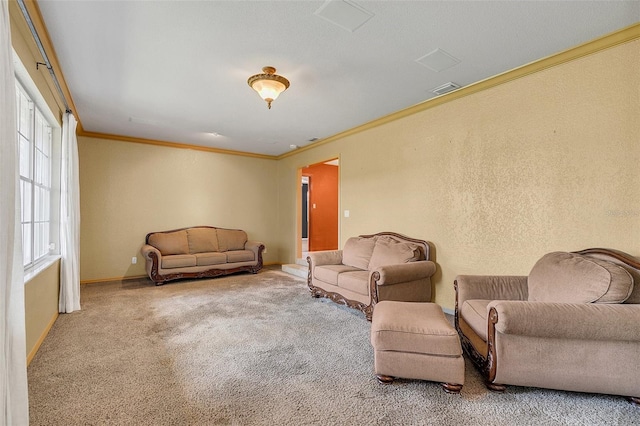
(204, 259)
(329, 273)
(178, 261)
(231, 239)
(357, 252)
(474, 312)
(389, 251)
(240, 256)
(202, 240)
(356, 281)
(573, 278)
(170, 242)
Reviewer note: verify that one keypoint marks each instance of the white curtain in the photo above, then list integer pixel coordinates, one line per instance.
(14, 406)
(69, 218)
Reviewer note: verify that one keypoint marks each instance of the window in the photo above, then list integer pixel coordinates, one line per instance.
(35, 147)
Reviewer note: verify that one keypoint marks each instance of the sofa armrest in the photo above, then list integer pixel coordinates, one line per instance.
(490, 287)
(582, 321)
(254, 246)
(149, 252)
(405, 272)
(329, 257)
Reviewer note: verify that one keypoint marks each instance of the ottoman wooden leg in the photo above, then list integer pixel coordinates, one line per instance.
(386, 380)
(451, 387)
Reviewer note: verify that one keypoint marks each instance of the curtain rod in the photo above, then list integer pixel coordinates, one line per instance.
(46, 63)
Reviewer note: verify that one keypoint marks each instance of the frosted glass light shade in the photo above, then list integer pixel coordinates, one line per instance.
(268, 85)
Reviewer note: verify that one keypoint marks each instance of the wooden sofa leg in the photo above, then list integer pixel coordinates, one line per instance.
(451, 387)
(496, 387)
(386, 380)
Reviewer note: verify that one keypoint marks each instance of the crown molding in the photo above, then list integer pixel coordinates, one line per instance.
(121, 138)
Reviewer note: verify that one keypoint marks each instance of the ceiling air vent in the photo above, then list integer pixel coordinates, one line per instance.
(445, 88)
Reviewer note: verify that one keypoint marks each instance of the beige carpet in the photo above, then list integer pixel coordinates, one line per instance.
(255, 350)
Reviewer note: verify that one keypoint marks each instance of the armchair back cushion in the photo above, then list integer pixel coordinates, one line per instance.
(357, 252)
(573, 278)
(170, 243)
(389, 251)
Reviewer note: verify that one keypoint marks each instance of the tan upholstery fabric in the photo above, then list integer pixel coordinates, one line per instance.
(475, 314)
(415, 341)
(388, 251)
(202, 240)
(573, 278)
(203, 259)
(357, 281)
(178, 261)
(357, 252)
(413, 327)
(231, 239)
(329, 273)
(170, 242)
(240, 256)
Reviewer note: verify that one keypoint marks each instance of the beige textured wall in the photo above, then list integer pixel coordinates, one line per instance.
(496, 179)
(130, 189)
(41, 306)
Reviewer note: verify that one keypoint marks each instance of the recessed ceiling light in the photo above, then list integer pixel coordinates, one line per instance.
(293, 146)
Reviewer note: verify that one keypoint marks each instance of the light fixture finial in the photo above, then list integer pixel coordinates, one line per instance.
(269, 85)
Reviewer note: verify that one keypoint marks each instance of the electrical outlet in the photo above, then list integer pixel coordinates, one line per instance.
(134, 260)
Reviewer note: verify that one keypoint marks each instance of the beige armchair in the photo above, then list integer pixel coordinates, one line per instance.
(572, 324)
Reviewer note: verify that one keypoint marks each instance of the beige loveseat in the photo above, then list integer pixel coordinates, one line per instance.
(199, 252)
(572, 324)
(371, 268)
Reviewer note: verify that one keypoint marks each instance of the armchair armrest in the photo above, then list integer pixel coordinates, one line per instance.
(491, 287)
(404, 272)
(329, 257)
(583, 321)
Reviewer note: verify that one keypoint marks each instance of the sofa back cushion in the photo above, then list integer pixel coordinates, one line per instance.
(202, 240)
(170, 242)
(390, 251)
(231, 239)
(572, 278)
(357, 252)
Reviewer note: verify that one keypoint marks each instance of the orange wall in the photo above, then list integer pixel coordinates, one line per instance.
(323, 219)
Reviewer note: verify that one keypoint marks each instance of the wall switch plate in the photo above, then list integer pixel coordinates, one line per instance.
(346, 213)
(134, 260)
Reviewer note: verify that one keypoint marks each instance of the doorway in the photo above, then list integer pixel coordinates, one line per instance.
(318, 208)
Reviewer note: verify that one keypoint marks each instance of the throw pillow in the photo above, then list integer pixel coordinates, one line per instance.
(357, 252)
(389, 251)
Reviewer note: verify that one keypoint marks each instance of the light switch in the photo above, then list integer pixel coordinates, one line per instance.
(346, 213)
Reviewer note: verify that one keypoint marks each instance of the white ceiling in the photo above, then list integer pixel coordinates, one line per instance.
(177, 70)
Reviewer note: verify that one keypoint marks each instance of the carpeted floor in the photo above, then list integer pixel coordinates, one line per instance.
(255, 350)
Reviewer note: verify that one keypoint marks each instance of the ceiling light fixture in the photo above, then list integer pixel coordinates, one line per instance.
(269, 85)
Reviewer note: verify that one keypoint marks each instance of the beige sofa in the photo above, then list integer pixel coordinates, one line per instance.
(572, 324)
(199, 252)
(370, 268)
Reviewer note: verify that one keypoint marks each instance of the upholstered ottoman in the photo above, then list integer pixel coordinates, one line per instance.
(415, 341)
